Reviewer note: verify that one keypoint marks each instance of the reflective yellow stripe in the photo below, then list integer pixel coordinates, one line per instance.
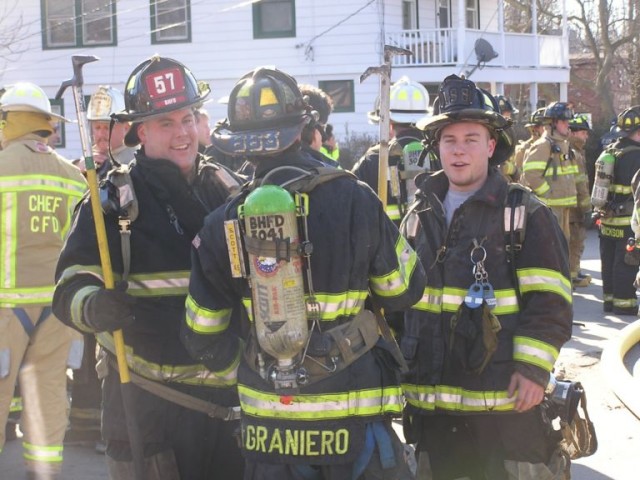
(535, 352)
(457, 399)
(393, 211)
(47, 454)
(571, 201)
(436, 300)
(154, 284)
(332, 305)
(51, 183)
(8, 240)
(335, 305)
(375, 401)
(542, 189)
(77, 307)
(622, 189)
(195, 374)
(530, 166)
(159, 283)
(72, 271)
(16, 404)
(396, 282)
(616, 221)
(205, 321)
(544, 280)
(625, 303)
(12, 297)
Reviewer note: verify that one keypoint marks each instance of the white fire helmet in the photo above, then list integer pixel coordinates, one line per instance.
(105, 101)
(27, 97)
(408, 102)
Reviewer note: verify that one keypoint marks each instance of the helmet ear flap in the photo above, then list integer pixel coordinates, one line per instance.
(505, 146)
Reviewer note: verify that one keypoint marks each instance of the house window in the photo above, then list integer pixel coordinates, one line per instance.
(274, 19)
(78, 23)
(342, 94)
(409, 18)
(57, 140)
(170, 21)
(472, 18)
(444, 14)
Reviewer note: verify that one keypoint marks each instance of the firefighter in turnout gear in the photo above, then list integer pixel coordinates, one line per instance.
(150, 241)
(318, 384)
(314, 134)
(39, 192)
(535, 126)
(481, 342)
(579, 215)
(107, 139)
(549, 169)
(409, 102)
(623, 159)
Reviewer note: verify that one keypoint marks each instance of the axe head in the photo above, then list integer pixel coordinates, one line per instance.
(382, 70)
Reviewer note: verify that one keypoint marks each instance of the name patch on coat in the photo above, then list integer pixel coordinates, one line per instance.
(318, 444)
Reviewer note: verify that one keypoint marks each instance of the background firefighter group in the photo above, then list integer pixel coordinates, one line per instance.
(551, 162)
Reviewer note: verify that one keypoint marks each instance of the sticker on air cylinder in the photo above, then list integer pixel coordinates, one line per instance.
(267, 266)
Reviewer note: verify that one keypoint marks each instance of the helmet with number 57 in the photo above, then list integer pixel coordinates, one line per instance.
(157, 86)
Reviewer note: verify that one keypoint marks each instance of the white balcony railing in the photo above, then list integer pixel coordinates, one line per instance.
(437, 47)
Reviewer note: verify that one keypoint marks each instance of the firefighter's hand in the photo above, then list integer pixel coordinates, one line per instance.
(528, 393)
(109, 310)
(636, 282)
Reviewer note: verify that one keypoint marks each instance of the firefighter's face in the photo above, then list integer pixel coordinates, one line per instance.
(100, 136)
(172, 137)
(562, 126)
(465, 149)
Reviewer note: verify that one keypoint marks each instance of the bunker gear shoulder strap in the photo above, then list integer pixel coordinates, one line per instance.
(519, 204)
(118, 196)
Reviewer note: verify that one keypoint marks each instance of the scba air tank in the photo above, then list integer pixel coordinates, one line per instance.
(277, 286)
(603, 178)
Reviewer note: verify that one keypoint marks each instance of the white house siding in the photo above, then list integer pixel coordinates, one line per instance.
(223, 48)
(427, 13)
(489, 15)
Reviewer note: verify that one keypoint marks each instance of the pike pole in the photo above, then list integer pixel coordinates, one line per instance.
(384, 71)
(76, 83)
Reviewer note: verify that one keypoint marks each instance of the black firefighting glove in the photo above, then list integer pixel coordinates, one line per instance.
(109, 310)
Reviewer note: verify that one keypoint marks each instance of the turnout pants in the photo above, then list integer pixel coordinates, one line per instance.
(488, 447)
(617, 277)
(578, 235)
(179, 443)
(84, 419)
(562, 215)
(39, 363)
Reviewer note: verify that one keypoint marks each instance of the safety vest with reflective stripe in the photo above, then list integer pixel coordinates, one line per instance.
(38, 192)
